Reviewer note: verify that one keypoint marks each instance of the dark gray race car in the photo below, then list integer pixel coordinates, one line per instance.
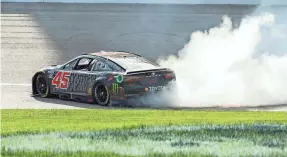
(102, 78)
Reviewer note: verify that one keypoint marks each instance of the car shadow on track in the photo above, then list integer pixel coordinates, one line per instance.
(84, 105)
(72, 104)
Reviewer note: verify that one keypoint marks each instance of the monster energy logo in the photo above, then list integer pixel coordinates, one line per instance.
(115, 88)
(119, 78)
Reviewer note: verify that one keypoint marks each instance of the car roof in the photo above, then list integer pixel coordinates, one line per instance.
(113, 54)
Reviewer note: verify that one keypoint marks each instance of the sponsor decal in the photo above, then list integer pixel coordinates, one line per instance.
(119, 78)
(115, 89)
(157, 88)
(111, 77)
(80, 82)
(61, 80)
(90, 91)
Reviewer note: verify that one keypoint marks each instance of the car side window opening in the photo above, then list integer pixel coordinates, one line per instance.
(70, 65)
(93, 64)
(101, 65)
(83, 64)
(115, 67)
(105, 65)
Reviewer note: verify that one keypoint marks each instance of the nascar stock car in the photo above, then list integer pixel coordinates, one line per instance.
(102, 78)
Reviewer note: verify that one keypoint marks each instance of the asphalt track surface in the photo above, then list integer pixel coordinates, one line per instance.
(35, 35)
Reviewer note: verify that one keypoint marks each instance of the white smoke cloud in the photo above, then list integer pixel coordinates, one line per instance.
(234, 66)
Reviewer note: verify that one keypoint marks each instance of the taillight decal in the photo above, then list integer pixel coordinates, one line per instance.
(153, 81)
(131, 79)
(169, 75)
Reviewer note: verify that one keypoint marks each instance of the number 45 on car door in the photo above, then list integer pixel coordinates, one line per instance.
(61, 80)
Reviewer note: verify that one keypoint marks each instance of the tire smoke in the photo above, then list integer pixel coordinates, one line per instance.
(227, 66)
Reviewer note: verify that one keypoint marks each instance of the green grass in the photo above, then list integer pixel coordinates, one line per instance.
(33, 121)
(128, 132)
(178, 140)
(92, 154)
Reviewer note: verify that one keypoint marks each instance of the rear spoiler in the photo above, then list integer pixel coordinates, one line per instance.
(149, 70)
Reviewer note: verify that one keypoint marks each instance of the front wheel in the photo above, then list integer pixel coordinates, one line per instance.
(101, 95)
(42, 86)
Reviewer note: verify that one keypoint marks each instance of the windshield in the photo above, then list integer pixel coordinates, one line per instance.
(134, 63)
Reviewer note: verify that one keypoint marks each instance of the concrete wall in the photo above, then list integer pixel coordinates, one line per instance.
(250, 2)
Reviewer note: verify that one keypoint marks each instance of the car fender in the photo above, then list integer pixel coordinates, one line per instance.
(101, 79)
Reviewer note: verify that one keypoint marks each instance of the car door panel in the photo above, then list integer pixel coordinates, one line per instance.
(76, 80)
(60, 81)
(60, 78)
(80, 81)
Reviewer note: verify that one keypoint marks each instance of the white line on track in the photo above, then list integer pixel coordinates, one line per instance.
(15, 84)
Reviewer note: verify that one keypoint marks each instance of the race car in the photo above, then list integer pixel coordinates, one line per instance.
(102, 78)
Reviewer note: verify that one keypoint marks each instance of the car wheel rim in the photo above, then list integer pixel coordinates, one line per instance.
(41, 86)
(102, 94)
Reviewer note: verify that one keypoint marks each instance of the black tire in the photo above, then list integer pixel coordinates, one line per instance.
(101, 94)
(42, 86)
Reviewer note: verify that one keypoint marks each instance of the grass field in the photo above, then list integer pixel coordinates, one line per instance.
(142, 132)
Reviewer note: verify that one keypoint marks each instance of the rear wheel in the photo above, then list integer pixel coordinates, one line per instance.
(101, 94)
(42, 86)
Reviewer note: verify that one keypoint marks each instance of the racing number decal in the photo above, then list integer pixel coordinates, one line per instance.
(57, 79)
(61, 80)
